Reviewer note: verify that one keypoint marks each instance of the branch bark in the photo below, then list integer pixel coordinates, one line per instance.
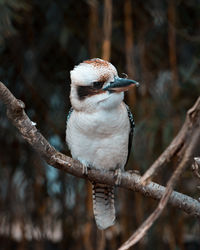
(129, 180)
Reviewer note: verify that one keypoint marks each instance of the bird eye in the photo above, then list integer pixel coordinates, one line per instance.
(98, 85)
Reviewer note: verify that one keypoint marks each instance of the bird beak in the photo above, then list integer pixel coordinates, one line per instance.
(120, 85)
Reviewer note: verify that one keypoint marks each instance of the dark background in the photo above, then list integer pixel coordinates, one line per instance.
(156, 43)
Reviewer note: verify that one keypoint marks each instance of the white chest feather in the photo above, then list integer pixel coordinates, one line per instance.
(99, 139)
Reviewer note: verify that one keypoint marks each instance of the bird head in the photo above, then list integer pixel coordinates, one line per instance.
(95, 84)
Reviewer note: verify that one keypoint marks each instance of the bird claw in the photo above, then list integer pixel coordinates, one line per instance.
(85, 170)
(134, 171)
(118, 176)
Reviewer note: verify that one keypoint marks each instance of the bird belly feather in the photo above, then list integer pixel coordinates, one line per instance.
(99, 140)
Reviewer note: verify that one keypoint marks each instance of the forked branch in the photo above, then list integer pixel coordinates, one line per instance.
(141, 231)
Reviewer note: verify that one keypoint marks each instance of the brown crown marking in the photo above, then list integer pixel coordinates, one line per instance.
(97, 62)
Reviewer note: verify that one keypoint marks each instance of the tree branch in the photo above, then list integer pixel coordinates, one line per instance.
(15, 111)
(141, 231)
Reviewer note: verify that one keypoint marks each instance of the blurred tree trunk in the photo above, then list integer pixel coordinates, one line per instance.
(22, 244)
(172, 46)
(173, 57)
(146, 77)
(130, 202)
(101, 240)
(107, 30)
(129, 47)
(87, 236)
(64, 225)
(39, 194)
(93, 42)
(93, 28)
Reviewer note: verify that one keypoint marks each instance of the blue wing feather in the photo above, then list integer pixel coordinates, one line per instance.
(69, 113)
(132, 126)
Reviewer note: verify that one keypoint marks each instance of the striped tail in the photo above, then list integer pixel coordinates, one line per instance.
(103, 205)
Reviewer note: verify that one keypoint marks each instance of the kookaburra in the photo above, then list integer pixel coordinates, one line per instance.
(100, 127)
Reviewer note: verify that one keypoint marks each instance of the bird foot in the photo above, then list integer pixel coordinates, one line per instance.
(134, 171)
(118, 176)
(85, 170)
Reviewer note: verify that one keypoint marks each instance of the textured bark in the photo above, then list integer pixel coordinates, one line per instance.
(129, 180)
